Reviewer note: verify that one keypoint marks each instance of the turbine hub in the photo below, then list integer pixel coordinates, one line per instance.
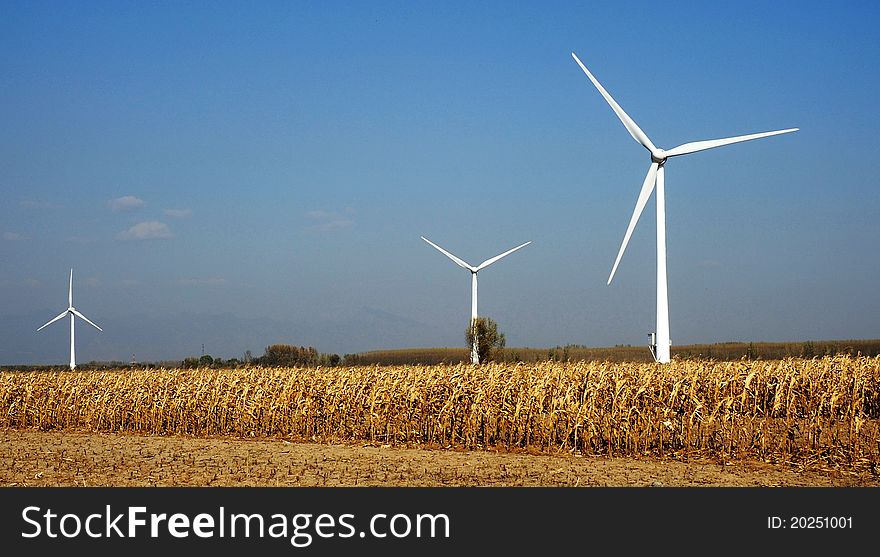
(659, 157)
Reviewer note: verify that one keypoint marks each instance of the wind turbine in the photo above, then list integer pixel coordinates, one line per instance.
(475, 358)
(72, 312)
(655, 178)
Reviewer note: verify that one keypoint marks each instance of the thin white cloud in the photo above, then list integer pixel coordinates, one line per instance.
(13, 236)
(130, 282)
(178, 213)
(92, 282)
(329, 220)
(32, 283)
(125, 203)
(212, 281)
(148, 230)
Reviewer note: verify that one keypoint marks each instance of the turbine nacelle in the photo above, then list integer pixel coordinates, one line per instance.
(658, 156)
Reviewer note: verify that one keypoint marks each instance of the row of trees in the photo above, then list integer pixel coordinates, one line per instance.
(482, 331)
(286, 355)
(275, 355)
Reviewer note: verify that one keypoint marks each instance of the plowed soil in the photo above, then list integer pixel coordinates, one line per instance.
(36, 458)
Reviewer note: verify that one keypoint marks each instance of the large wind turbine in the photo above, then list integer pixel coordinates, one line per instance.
(475, 358)
(71, 311)
(655, 179)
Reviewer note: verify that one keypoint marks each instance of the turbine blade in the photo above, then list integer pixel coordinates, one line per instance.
(460, 262)
(647, 189)
(488, 262)
(628, 122)
(86, 319)
(60, 315)
(696, 146)
(70, 291)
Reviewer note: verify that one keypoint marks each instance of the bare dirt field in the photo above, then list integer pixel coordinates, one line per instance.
(37, 458)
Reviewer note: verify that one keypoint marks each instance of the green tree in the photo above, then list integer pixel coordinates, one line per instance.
(751, 352)
(190, 363)
(286, 355)
(485, 334)
(808, 350)
(331, 360)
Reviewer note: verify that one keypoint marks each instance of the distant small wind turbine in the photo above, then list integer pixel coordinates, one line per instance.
(475, 358)
(655, 177)
(72, 312)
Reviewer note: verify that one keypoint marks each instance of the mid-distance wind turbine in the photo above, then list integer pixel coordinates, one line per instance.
(655, 178)
(72, 311)
(475, 358)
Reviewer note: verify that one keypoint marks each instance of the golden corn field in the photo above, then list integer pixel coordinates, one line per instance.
(794, 410)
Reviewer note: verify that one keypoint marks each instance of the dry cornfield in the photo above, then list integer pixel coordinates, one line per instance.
(823, 410)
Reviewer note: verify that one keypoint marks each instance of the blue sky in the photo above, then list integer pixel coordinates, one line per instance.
(249, 173)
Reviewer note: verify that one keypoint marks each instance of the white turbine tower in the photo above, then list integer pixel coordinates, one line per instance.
(655, 178)
(474, 270)
(72, 312)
